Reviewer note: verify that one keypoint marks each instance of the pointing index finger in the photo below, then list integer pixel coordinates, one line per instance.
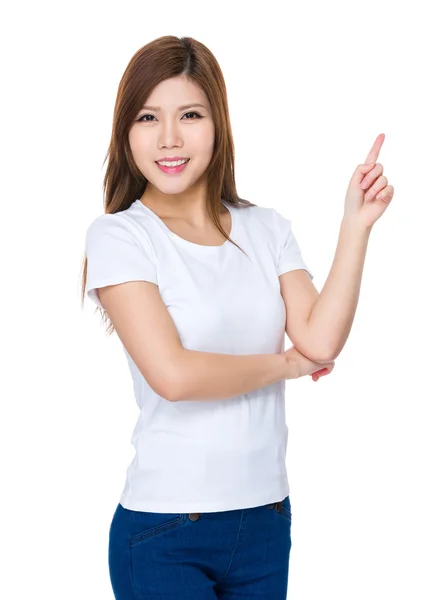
(373, 155)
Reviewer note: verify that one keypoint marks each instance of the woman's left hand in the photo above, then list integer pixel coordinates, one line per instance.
(369, 193)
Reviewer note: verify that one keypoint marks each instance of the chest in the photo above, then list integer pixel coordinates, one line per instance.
(209, 236)
(225, 302)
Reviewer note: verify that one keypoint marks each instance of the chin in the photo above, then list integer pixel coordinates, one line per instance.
(173, 187)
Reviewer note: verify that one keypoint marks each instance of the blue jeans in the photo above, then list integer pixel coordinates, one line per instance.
(230, 555)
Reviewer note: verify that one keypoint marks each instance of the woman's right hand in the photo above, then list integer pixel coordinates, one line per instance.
(305, 366)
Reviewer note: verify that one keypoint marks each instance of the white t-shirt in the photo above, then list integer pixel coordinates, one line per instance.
(204, 455)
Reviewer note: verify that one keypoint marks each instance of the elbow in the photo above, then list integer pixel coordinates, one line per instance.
(172, 393)
(169, 389)
(328, 355)
(172, 386)
(317, 348)
(178, 381)
(165, 384)
(326, 351)
(321, 355)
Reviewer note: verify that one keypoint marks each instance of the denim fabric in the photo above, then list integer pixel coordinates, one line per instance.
(230, 555)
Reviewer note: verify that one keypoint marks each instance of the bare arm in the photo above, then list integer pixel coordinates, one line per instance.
(209, 376)
(334, 310)
(150, 336)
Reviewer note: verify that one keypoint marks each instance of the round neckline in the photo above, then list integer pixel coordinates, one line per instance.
(181, 240)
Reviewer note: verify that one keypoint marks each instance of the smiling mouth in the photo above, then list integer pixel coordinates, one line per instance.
(178, 160)
(173, 170)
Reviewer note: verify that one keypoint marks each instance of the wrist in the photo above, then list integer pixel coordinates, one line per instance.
(292, 364)
(355, 223)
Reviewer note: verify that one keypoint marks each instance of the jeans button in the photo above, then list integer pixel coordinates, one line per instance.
(194, 516)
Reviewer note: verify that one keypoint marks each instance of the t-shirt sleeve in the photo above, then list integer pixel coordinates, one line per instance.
(289, 253)
(117, 251)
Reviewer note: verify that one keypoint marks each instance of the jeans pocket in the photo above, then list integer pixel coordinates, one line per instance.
(285, 510)
(144, 525)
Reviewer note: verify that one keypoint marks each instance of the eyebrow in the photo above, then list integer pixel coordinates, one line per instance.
(179, 108)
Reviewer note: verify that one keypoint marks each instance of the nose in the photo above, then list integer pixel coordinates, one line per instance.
(170, 136)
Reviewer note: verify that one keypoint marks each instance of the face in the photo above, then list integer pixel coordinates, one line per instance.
(166, 130)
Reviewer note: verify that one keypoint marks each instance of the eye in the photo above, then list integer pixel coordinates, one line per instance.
(198, 116)
(143, 120)
(143, 117)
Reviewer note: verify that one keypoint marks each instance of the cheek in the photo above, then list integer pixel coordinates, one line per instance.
(202, 141)
(138, 143)
(141, 150)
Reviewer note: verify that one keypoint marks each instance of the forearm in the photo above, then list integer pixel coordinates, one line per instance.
(333, 313)
(209, 376)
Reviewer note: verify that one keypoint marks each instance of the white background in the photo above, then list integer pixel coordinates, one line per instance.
(310, 86)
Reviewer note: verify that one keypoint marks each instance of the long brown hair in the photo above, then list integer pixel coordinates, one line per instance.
(163, 58)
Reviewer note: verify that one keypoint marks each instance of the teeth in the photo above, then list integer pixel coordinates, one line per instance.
(175, 163)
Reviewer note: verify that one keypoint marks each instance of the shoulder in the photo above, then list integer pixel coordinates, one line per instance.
(124, 225)
(270, 218)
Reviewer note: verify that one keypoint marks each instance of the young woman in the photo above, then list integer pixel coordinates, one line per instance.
(198, 283)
